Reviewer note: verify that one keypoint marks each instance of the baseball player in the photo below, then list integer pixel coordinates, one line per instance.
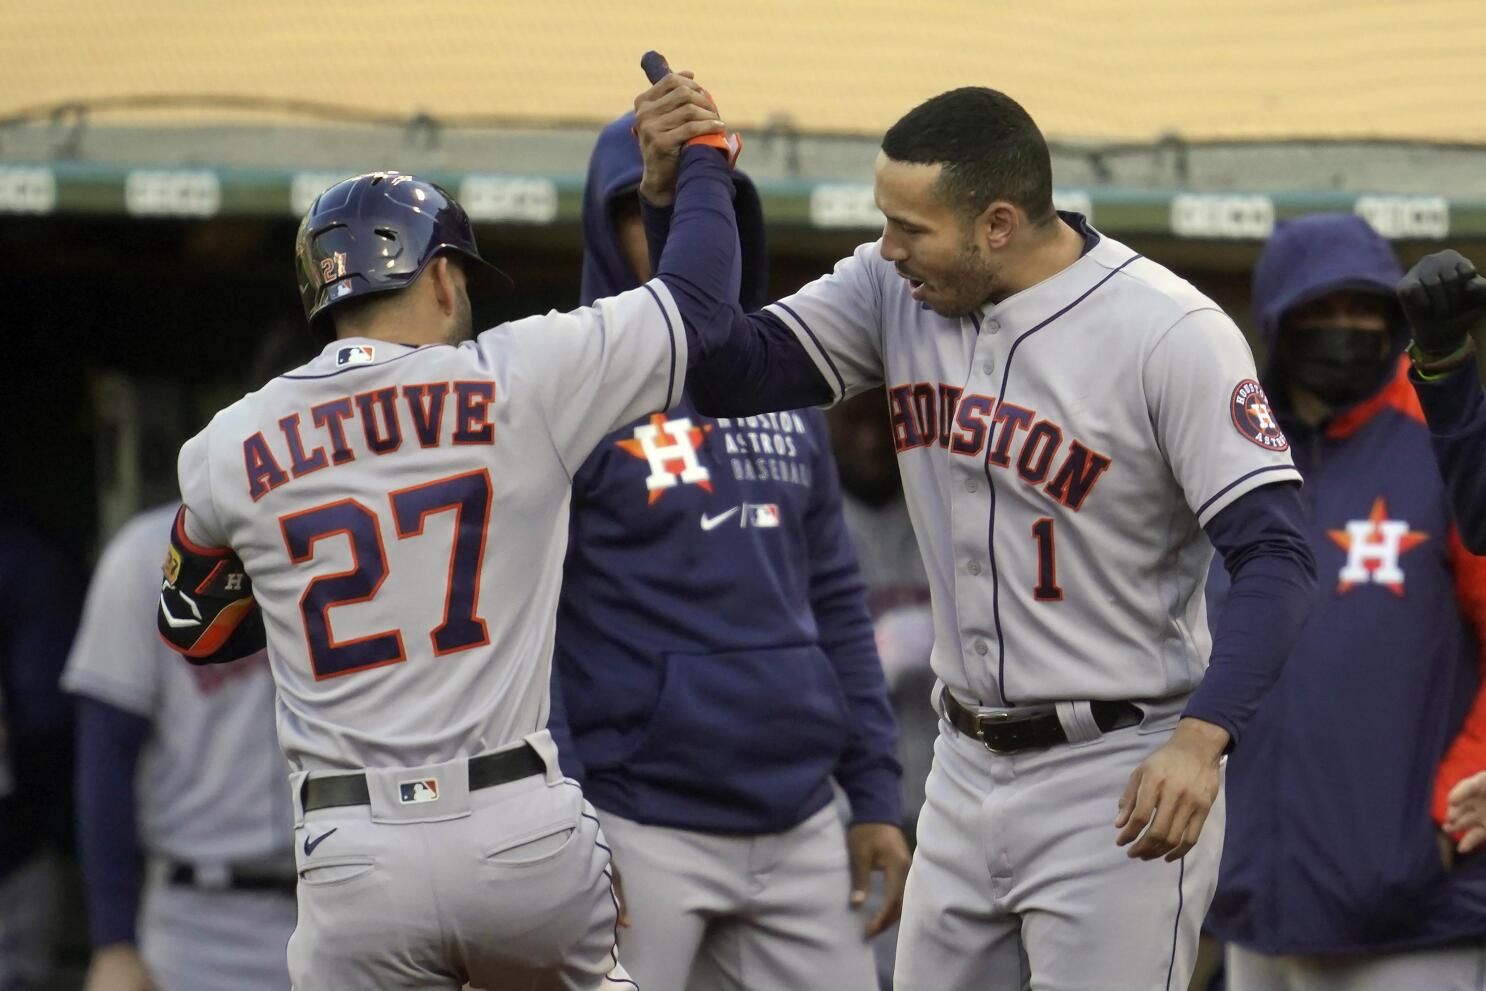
(717, 658)
(1074, 424)
(391, 518)
(179, 762)
(37, 618)
(1444, 298)
(1317, 889)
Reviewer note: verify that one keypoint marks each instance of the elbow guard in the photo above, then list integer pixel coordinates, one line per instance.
(207, 611)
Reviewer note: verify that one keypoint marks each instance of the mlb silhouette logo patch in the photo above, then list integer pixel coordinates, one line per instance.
(415, 792)
(356, 354)
(763, 514)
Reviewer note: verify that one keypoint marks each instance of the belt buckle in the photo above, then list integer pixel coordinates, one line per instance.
(986, 720)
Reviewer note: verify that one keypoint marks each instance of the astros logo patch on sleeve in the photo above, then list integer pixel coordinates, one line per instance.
(1254, 417)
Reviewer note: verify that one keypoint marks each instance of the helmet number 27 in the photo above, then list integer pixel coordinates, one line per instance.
(468, 495)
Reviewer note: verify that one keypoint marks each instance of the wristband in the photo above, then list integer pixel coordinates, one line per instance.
(1433, 368)
(730, 145)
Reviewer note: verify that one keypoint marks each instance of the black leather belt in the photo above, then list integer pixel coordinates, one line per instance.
(1008, 731)
(235, 879)
(486, 771)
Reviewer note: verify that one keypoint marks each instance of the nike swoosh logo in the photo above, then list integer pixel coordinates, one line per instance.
(712, 522)
(310, 844)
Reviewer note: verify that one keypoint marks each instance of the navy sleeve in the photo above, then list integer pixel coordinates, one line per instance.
(1455, 408)
(699, 263)
(109, 741)
(868, 770)
(754, 364)
(1261, 537)
(657, 223)
(562, 735)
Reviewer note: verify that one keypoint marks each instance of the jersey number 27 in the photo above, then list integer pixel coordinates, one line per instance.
(467, 495)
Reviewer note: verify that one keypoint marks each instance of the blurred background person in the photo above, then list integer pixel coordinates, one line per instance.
(1335, 872)
(714, 669)
(183, 820)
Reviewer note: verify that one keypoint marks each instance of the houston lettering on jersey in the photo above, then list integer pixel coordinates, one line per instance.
(924, 416)
(371, 423)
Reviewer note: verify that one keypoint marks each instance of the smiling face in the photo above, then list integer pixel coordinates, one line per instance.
(931, 241)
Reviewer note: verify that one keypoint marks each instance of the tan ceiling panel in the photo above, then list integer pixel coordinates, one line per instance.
(1085, 68)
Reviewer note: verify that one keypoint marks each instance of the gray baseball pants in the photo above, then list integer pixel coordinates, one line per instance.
(193, 940)
(504, 888)
(29, 905)
(740, 913)
(1443, 968)
(1017, 882)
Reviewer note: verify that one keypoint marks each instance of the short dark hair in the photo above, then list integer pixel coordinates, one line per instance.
(989, 146)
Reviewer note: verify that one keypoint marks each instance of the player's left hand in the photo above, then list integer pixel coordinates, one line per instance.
(1171, 792)
(1443, 297)
(1466, 812)
(878, 846)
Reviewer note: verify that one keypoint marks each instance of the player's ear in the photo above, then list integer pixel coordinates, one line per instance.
(997, 224)
(441, 277)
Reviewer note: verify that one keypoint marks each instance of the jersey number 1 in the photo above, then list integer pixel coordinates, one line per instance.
(468, 495)
(1047, 588)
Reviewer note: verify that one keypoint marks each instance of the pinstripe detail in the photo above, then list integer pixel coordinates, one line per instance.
(670, 339)
(1176, 925)
(825, 357)
(609, 873)
(991, 528)
(1239, 481)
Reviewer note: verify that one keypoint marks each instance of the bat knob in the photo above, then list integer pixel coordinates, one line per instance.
(655, 66)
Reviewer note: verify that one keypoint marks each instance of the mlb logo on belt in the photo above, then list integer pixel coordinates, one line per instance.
(355, 354)
(764, 514)
(413, 792)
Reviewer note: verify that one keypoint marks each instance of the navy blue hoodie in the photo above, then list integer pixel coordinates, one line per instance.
(715, 664)
(1331, 843)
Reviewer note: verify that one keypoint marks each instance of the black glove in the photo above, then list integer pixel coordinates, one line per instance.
(1443, 298)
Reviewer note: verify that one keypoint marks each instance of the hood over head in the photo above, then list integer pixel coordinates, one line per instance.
(614, 171)
(1307, 258)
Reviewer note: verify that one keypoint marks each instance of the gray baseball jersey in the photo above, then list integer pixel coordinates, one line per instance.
(210, 779)
(403, 515)
(1060, 451)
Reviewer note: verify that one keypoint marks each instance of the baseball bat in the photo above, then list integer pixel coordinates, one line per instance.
(655, 66)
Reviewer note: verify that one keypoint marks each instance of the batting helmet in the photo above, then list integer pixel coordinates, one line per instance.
(375, 233)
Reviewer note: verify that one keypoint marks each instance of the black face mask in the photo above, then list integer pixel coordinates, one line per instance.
(1340, 365)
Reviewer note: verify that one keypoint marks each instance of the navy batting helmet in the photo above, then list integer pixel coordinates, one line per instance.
(375, 233)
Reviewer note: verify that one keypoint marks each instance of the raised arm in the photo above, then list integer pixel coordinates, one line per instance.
(742, 363)
(1444, 296)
